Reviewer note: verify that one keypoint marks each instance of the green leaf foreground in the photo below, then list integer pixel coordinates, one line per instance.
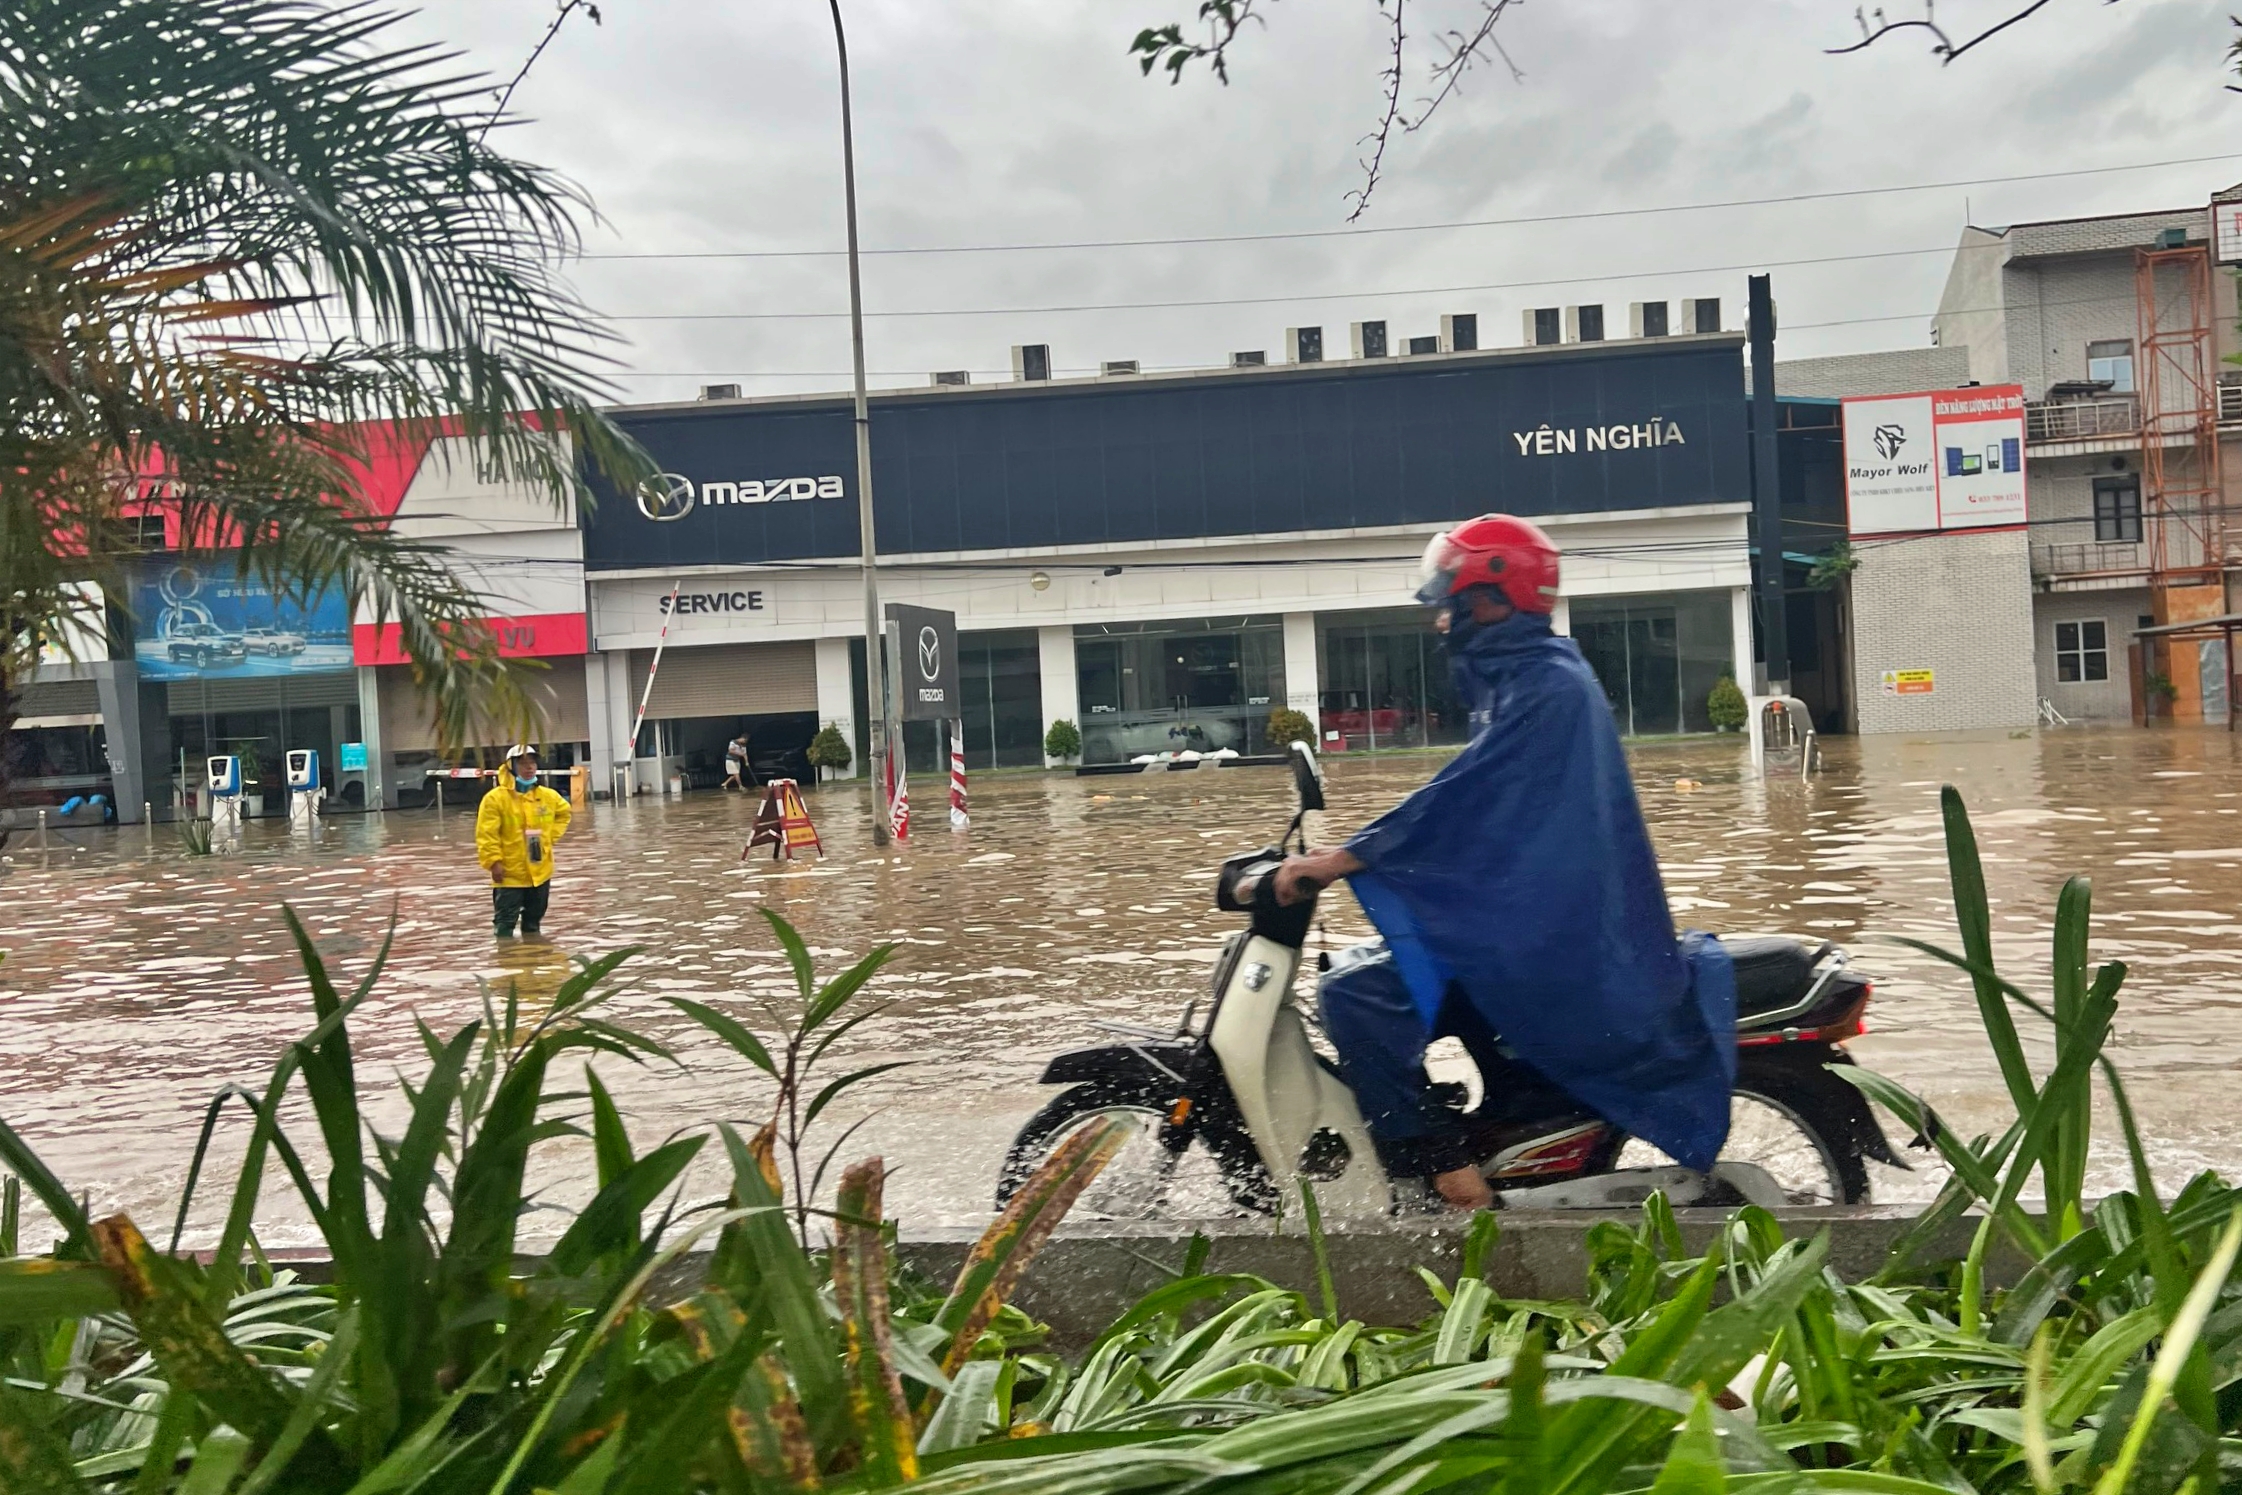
(697, 1325)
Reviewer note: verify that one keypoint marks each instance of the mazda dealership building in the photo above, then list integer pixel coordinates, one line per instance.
(1164, 559)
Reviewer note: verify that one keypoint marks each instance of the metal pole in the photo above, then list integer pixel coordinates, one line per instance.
(653, 668)
(148, 821)
(876, 703)
(42, 833)
(1767, 490)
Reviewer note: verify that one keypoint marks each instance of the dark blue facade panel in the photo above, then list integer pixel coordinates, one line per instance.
(1115, 464)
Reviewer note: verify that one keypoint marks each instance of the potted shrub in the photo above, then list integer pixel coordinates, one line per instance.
(1725, 705)
(828, 750)
(1287, 726)
(252, 783)
(1063, 741)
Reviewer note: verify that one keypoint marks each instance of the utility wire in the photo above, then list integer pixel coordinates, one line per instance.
(1418, 228)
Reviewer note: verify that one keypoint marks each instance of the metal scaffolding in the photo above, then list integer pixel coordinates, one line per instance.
(2181, 495)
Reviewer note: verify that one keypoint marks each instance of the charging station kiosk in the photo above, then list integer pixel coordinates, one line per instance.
(224, 779)
(304, 791)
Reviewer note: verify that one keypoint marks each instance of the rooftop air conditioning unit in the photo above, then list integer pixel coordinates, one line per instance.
(1422, 345)
(953, 376)
(1114, 366)
(1249, 360)
(1368, 339)
(2172, 238)
(1545, 327)
(720, 391)
(1584, 324)
(1303, 344)
(1701, 315)
(1647, 319)
(1031, 361)
(1459, 332)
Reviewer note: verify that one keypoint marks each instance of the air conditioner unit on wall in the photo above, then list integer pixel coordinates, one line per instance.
(1544, 326)
(1647, 319)
(1031, 361)
(1699, 315)
(1303, 344)
(1368, 338)
(952, 376)
(1459, 332)
(1249, 360)
(720, 391)
(1114, 366)
(1584, 324)
(1419, 346)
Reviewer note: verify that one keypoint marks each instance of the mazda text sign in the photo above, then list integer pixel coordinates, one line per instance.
(926, 676)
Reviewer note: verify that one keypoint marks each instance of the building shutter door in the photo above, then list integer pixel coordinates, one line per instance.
(409, 726)
(262, 692)
(728, 680)
(57, 698)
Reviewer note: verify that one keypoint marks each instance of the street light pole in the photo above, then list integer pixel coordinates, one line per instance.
(875, 693)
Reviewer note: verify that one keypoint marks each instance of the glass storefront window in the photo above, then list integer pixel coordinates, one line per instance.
(1385, 682)
(1192, 683)
(1000, 690)
(1658, 657)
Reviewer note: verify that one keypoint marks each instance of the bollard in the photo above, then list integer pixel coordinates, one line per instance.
(42, 832)
(148, 821)
(439, 799)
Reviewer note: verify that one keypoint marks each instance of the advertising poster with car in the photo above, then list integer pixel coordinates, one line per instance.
(1947, 459)
(197, 621)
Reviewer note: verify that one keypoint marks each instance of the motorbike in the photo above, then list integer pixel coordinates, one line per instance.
(1237, 1108)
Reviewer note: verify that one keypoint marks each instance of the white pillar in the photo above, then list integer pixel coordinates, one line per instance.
(370, 733)
(1062, 690)
(1303, 689)
(1740, 639)
(836, 694)
(1561, 617)
(607, 695)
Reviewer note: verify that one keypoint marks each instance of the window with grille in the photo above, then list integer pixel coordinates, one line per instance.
(2082, 650)
(2117, 510)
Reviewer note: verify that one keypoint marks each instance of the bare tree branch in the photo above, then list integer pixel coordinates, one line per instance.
(506, 94)
(1379, 137)
(1874, 28)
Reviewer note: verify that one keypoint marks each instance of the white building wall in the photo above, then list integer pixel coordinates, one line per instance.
(836, 695)
(1958, 605)
(2057, 307)
(2121, 611)
(1062, 687)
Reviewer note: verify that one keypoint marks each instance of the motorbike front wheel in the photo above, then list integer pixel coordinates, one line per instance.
(1218, 1174)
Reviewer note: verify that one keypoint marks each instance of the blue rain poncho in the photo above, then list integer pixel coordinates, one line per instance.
(1523, 875)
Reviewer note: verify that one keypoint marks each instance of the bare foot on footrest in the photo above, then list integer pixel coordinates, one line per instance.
(1464, 1188)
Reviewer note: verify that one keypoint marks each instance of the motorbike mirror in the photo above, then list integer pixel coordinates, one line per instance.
(1307, 776)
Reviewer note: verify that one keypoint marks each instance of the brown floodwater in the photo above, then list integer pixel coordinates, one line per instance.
(138, 981)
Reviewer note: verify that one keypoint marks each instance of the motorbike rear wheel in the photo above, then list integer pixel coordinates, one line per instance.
(1219, 1174)
(1782, 1123)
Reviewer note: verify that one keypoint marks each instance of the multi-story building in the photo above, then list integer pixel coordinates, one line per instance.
(2117, 328)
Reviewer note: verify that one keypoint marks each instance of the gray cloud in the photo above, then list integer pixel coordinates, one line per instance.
(699, 126)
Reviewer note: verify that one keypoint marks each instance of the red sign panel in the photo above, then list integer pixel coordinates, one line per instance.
(541, 636)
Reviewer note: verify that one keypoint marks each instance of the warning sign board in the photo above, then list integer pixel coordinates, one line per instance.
(782, 823)
(1909, 682)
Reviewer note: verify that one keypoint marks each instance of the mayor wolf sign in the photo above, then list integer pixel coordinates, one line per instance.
(1946, 459)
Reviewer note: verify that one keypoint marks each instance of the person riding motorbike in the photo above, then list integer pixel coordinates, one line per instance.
(1518, 895)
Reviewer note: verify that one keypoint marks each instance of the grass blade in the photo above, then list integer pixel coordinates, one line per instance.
(886, 1439)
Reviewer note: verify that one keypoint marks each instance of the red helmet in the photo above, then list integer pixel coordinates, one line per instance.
(1494, 550)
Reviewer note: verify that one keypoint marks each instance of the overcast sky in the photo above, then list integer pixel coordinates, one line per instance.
(713, 127)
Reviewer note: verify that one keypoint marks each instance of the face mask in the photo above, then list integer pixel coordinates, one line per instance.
(525, 785)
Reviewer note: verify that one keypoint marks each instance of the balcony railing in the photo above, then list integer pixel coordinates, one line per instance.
(2083, 420)
(2083, 559)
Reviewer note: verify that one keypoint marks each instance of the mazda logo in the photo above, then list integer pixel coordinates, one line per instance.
(666, 496)
(930, 655)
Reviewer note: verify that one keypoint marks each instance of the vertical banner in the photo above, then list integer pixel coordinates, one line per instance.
(898, 791)
(959, 820)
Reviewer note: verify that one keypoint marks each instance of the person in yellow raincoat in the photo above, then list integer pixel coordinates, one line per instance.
(519, 824)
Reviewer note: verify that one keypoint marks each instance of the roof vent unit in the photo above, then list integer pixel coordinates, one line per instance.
(1459, 332)
(1422, 345)
(1368, 339)
(1545, 327)
(1031, 361)
(1584, 324)
(1701, 315)
(2172, 238)
(1647, 319)
(1254, 359)
(720, 391)
(1303, 344)
(952, 377)
(1114, 366)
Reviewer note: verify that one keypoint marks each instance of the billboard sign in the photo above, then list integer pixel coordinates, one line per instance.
(926, 674)
(195, 620)
(1947, 459)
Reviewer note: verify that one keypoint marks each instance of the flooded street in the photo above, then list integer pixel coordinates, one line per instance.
(138, 982)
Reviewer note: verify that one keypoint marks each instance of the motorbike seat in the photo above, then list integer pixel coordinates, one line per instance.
(1771, 970)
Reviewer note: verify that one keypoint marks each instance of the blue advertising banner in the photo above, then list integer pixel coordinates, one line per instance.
(197, 620)
(1301, 449)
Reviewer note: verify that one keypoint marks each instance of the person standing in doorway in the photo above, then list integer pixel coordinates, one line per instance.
(516, 829)
(737, 774)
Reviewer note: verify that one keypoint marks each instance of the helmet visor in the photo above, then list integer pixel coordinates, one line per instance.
(1436, 575)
